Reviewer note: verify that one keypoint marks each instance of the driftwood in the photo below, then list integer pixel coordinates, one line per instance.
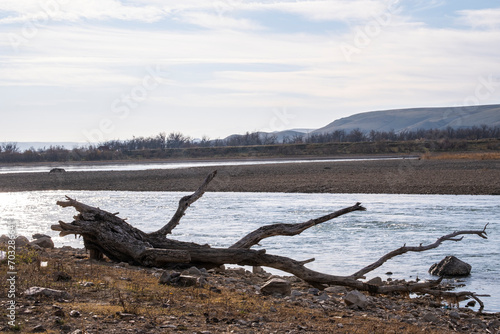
(105, 233)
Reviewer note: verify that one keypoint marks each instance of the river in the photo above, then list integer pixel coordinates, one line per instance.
(341, 246)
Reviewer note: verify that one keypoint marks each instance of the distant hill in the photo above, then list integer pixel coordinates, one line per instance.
(417, 118)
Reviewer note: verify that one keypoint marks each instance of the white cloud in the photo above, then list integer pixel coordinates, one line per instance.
(74, 10)
(152, 10)
(328, 10)
(235, 64)
(488, 18)
(215, 21)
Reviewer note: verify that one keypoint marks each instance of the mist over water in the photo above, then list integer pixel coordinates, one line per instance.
(341, 246)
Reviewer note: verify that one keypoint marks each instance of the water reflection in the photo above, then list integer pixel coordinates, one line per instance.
(341, 246)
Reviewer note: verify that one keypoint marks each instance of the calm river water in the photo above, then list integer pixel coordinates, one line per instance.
(341, 246)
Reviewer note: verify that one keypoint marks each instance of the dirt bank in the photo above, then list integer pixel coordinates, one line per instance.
(407, 176)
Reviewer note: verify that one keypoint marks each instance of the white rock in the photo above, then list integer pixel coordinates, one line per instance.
(37, 291)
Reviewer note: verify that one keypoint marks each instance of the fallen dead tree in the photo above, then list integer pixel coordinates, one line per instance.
(105, 233)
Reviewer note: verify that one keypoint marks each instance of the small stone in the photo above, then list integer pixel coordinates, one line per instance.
(59, 313)
(74, 314)
(296, 293)
(313, 291)
(276, 285)
(185, 280)
(240, 271)
(192, 271)
(322, 296)
(215, 290)
(258, 270)
(356, 299)
(169, 278)
(201, 281)
(60, 276)
(123, 265)
(38, 329)
(125, 315)
(430, 317)
(454, 315)
(273, 309)
(87, 284)
(471, 303)
(337, 290)
(495, 324)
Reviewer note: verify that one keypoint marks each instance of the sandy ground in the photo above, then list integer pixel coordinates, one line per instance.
(406, 176)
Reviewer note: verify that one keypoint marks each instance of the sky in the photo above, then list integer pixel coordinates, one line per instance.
(97, 70)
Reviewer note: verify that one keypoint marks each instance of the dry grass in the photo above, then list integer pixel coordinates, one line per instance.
(462, 156)
(123, 299)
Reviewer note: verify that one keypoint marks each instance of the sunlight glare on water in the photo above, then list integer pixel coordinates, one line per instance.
(341, 246)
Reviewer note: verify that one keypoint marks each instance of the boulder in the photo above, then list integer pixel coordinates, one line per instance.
(377, 281)
(4, 240)
(39, 235)
(276, 285)
(43, 242)
(21, 241)
(356, 299)
(450, 266)
(57, 170)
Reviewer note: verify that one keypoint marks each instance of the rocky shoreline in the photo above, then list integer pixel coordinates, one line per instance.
(63, 291)
(401, 176)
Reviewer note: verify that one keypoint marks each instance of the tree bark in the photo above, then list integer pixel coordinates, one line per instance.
(105, 233)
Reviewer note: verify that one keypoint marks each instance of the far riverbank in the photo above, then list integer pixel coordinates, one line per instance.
(404, 176)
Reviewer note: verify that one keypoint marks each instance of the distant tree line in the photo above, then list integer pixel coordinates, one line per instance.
(165, 146)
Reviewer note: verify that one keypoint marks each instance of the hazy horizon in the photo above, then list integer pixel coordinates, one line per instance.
(88, 71)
